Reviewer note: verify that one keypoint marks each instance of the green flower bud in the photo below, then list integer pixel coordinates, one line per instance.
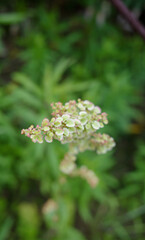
(34, 138)
(71, 129)
(31, 127)
(105, 121)
(45, 122)
(46, 129)
(60, 138)
(80, 106)
(101, 125)
(80, 127)
(39, 139)
(48, 138)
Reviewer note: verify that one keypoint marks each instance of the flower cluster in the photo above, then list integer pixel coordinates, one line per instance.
(74, 120)
(75, 123)
(88, 175)
(50, 209)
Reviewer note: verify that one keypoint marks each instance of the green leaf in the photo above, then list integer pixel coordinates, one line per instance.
(60, 68)
(27, 83)
(11, 18)
(6, 228)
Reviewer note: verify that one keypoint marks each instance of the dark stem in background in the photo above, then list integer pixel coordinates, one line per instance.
(129, 17)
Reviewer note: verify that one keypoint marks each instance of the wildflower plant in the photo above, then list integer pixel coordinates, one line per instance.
(75, 123)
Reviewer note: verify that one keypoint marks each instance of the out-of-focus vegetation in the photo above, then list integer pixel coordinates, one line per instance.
(58, 51)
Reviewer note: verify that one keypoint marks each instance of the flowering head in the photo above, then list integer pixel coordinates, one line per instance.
(70, 122)
(75, 123)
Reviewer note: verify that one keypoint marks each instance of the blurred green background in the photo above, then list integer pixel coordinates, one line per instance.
(58, 51)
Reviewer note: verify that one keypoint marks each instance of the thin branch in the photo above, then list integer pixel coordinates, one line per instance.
(129, 17)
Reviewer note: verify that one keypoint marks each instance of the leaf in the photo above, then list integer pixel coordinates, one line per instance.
(48, 84)
(11, 18)
(70, 86)
(73, 233)
(6, 228)
(27, 83)
(60, 68)
(22, 96)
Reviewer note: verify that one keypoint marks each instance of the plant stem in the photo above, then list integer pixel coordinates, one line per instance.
(129, 17)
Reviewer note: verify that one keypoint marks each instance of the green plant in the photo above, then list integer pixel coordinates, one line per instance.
(55, 52)
(22, 168)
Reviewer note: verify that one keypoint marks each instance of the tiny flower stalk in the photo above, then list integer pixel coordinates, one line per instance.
(75, 123)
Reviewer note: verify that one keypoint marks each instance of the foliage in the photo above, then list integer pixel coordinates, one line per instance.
(57, 52)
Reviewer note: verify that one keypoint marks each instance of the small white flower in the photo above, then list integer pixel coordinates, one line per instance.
(34, 138)
(105, 121)
(82, 113)
(97, 110)
(60, 138)
(88, 126)
(96, 125)
(80, 127)
(86, 102)
(77, 121)
(39, 139)
(59, 132)
(90, 106)
(46, 128)
(70, 123)
(66, 132)
(67, 166)
(101, 125)
(57, 123)
(48, 139)
(45, 122)
(65, 116)
(67, 105)
(72, 129)
(80, 106)
(59, 119)
(83, 121)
